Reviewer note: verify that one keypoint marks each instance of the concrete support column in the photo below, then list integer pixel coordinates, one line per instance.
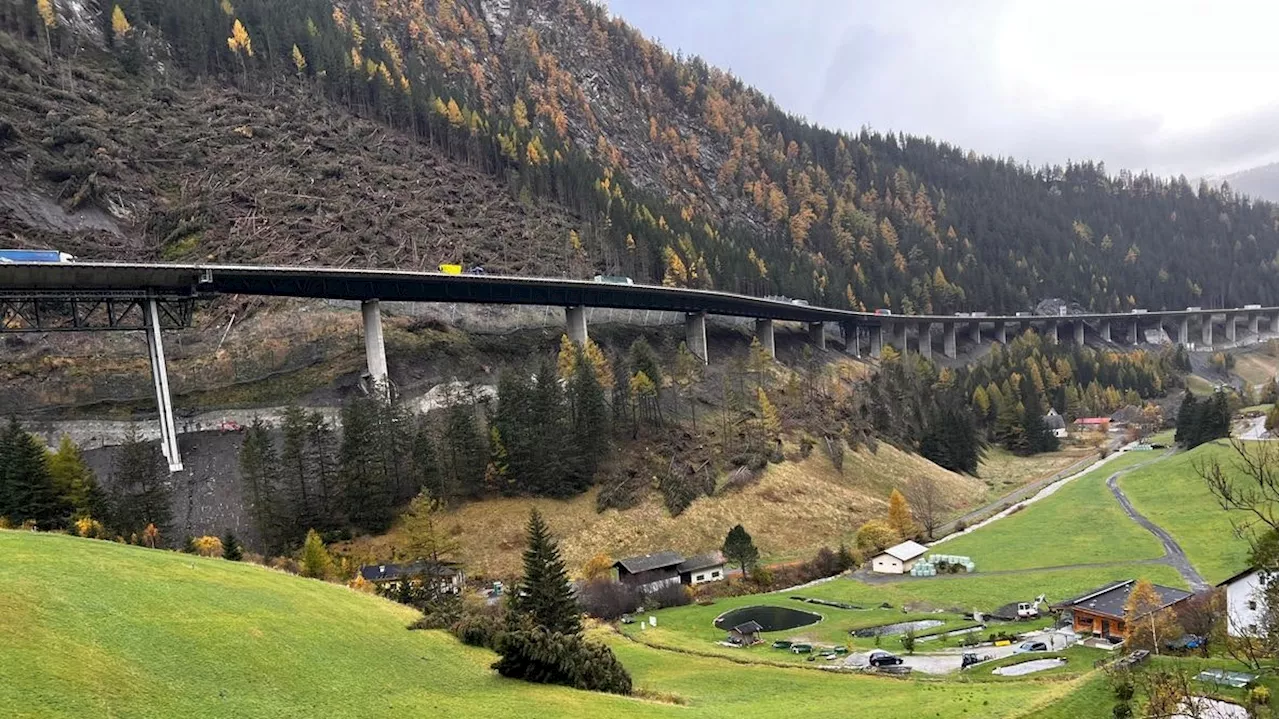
(949, 339)
(1001, 335)
(1079, 332)
(1206, 330)
(877, 340)
(898, 335)
(924, 339)
(975, 333)
(818, 335)
(1253, 324)
(1231, 327)
(375, 351)
(1133, 332)
(764, 333)
(1104, 330)
(852, 338)
(1183, 335)
(160, 379)
(695, 334)
(575, 320)
(1051, 331)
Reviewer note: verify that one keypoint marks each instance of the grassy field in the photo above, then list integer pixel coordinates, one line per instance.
(1173, 496)
(1004, 471)
(1081, 523)
(834, 504)
(99, 629)
(1257, 364)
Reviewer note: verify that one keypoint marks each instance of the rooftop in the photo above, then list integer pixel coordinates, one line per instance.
(657, 560)
(702, 561)
(1110, 599)
(906, 551)
(392, 572)
(750, 627)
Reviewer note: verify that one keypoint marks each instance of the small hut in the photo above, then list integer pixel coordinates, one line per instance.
(746, 634)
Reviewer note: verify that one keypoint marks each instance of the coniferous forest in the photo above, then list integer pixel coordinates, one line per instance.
(674, 171)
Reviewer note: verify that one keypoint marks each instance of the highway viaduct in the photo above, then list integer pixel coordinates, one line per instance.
(94, 296)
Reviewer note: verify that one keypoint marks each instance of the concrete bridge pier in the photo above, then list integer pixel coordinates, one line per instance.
(852, 338)
(1183, 334)
(1001, 336)
(575, 320)
(1051, 331)
(818, 335)
(160, 379)
(695, 334)
(1253, 325)
(1133, 332)
(1206, 331)
(1231, 327)
(975, 333)
(898, 335)
(924, 339)
(877, 339)
(764, 333)
(375, 350)
(1079, 333)
(949, 339)
(1104, 330)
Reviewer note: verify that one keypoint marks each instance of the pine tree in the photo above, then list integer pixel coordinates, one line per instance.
(231, 549)
(545, 599)
(1039, 438)
(27, 490)
(643, 359)
(75, 482)
(259, 470)
(362, 472)
(424, 538)
(316, 562)
(1187, 432)
(590, 414)
(738, 547)
(464, 453)
(900, 519)
(296, 466)
(139, 496)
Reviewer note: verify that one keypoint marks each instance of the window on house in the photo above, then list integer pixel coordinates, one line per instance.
(1253, 605)
(715, 574)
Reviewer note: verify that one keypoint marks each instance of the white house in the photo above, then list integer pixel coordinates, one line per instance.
(898, 559)
(1056, 423)
(702, 568)
(1244, 602)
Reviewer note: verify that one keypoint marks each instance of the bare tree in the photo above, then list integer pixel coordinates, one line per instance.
(1203, 616)
(925, 498)
(1249, 485)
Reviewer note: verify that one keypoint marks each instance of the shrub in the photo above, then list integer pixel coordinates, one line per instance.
(316, 562)
(90, 527)
(208, 546)
(908, 640)
(478, 630)
(961, 525)
(537, 655)
(762, 576)
(671, 595)
(874, 536)
(607, 599)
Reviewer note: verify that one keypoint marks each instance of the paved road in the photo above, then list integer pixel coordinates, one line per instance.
(1173, 554)
(947, 661)
(1253, 428)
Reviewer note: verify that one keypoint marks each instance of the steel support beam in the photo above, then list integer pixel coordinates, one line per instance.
(160, 379)
(818, 335)
(764, 333)
(695, 334)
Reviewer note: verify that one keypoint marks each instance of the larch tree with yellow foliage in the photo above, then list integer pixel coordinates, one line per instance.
(900, 519)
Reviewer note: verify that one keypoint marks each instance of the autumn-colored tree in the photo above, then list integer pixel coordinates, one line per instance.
(120, 28)
(240, 42)
(768, 415)
(299, 60)
(1150, 625)
(874, 536)
(316, 562)
(597, 567)
(900, 519)
(151, 536)
(423, 537)
(207, 546)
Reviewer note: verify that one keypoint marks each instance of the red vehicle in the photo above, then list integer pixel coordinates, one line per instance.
(229, 425)
(883, 311)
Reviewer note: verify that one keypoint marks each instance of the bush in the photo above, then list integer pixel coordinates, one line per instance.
(537, 655)
(478, 630)
(607, 599)
(961, 525)
(762, 576)
(875, 536)
(671, 595)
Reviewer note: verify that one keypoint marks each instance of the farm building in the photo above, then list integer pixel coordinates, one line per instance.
(650, 572)
(1056, 423)
(1244, 608)
(447, 575)
(701, 569)
(1101, 611)
(746, 634)
(898, 559)
(1100, 424)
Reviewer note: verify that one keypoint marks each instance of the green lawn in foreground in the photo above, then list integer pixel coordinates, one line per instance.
(1174, 497)
(98, 629)
(1081, 523)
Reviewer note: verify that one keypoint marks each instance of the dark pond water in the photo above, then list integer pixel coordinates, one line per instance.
(773, 619)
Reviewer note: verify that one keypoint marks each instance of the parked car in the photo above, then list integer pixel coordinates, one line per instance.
(802, 303)
(229, 425)
(881, 658)
(971, 658)
(613, 279)
(477, 270)
(883, 311)
(1031, 647)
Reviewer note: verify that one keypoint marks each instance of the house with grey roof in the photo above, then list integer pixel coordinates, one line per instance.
(1100, 612)
(701, 569)
(650, 572)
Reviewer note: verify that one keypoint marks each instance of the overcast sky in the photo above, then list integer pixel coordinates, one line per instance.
(1171, 87)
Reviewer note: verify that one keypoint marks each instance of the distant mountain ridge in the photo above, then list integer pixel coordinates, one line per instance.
(1262, 182)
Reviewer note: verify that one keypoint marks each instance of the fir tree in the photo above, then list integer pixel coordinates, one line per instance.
(27, 490)
(76, 483)
(139, 496)
(231, 549)
(296, 466)
(259, 470)
(316, 562)
(545, 600)
(738, 547)
(1187, 425)
(590, 413)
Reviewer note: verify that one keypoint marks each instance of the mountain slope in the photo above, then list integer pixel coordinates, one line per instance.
(671, 170)
(1262, 182)
(100, 629)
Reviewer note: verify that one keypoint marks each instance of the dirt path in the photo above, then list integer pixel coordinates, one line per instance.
(1173, 554)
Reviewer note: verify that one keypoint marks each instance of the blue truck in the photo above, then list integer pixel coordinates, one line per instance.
(45, 256)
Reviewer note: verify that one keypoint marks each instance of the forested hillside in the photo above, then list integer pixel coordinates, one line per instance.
(613, 154)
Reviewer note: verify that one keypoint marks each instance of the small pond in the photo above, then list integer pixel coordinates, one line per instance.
(898, 628)
(772, 619)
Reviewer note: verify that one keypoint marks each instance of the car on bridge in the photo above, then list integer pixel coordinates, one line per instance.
(46, 256)
(613, 280)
